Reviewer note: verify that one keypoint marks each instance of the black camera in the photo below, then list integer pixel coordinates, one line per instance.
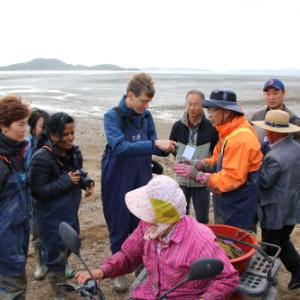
(85, 180)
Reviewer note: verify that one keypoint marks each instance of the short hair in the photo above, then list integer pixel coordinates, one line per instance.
(141, 83)
(35, 115)
(195, 92)
(12, 109)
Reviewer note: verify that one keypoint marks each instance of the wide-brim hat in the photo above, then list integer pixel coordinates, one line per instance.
(222, 99)
(277, 120)
(161, 201)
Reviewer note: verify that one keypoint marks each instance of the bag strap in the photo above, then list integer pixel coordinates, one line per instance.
(51, 151)
(5, 159)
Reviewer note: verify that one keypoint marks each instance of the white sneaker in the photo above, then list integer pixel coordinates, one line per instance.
(40, 272)
(120, 284)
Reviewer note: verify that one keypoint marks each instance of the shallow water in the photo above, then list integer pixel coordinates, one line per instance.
(85, 93)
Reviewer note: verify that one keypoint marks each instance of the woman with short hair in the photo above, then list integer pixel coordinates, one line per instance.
(14, 198)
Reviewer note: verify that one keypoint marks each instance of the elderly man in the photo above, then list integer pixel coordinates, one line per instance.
(232, 172)
(196, 139)
(279, 187)
(274, 93)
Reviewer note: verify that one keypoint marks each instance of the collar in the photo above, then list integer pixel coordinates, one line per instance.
(10, 147)
(277, 143)
(128, 111)
(228, 127)
(179, 231)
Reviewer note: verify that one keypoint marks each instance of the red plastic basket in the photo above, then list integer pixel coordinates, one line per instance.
(240, 263)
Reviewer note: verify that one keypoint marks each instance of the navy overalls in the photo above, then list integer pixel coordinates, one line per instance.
(48, 215)
(14, 227)
(238, 207)
(121, 174)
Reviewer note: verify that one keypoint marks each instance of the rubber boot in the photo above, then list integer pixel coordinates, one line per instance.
(55, 278)
(120, 284)
(41, 269)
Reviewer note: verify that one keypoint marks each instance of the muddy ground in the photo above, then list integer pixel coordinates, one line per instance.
(94, 235)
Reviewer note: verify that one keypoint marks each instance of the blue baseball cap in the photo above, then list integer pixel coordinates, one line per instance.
(275, 83)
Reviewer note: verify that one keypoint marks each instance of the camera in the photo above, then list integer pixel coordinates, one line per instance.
(85, 180)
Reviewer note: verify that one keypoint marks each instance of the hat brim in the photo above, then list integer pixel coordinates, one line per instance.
(273, 86)
(138, 203)
(210, 103)
(263, 125)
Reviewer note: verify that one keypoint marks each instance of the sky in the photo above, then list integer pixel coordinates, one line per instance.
(217, 35)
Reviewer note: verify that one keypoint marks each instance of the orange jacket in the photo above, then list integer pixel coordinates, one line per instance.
(241, 155)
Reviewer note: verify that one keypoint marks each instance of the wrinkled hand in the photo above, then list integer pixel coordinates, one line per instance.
(202, 178)
(186, 162)
(83, 276)
(200, 165)
(166, 145)
(184, 170)
(74, 176)
(89, 190)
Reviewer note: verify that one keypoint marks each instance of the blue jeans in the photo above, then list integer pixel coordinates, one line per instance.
(200, 196)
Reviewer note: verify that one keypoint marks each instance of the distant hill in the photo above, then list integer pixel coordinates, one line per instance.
(39, 64)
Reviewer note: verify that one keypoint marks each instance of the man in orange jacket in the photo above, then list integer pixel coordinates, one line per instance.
(232, 172)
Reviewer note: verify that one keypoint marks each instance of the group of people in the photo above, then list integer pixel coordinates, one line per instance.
(250, 168)
(41, 179)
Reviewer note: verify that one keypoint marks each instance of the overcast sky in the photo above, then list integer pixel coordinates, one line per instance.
(207, 34)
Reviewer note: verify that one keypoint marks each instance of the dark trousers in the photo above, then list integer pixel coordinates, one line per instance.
(200, 196)
(288, 255)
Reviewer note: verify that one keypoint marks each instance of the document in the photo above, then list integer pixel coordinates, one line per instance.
(188, 152)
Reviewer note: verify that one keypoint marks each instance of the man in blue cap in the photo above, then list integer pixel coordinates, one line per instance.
(274, 93)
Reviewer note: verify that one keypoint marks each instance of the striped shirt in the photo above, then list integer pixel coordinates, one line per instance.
(189, 241)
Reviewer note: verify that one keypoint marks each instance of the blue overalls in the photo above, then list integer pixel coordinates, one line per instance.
(14, 231)
(238, 207)
(48, 216)
(121, 174)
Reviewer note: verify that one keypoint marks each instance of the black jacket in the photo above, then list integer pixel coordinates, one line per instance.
(49, 171)
(14, 152)
(206, 132)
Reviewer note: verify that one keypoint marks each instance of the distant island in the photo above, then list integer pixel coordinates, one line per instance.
(52, 64)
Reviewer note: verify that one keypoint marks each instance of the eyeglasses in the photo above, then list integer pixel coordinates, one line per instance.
(144, 101)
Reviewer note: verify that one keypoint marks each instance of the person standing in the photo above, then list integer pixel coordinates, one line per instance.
(14, 198)
(274, 93)
(196, 139)
(232, 172)
(57, 180)
(279, 186)
(36, 122)
(126, 162)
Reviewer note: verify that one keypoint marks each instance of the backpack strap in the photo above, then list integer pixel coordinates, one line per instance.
(5, 159)
(51, 151)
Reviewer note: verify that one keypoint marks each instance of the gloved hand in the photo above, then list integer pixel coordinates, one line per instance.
(202, 178)
(184, 170)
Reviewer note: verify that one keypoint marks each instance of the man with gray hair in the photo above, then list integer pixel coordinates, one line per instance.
(196, 139)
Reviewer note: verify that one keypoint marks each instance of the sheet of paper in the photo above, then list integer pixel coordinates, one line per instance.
(188, 152)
